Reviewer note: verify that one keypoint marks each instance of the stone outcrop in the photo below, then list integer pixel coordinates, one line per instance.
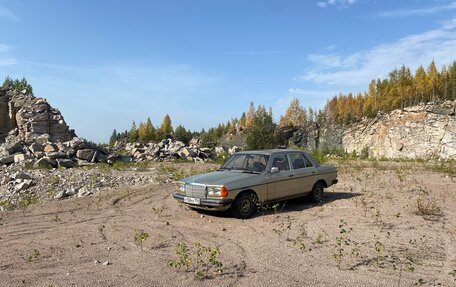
(26, 118)
(423, 131)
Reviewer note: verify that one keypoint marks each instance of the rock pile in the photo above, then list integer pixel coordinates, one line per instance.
(42, 153)
(169, 149)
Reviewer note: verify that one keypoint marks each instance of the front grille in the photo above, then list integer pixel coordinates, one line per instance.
(195, 190)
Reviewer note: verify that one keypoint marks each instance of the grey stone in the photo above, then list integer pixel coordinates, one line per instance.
(61, 194)
(77, 143)
(23, 185)
(34, 147)
(20, 157)
(57, 154)
(85, 154)
(65, 163)
(84, 192)
(7, 159)
(44, 163)
(22, 175)
(71, 191)
(42, 139)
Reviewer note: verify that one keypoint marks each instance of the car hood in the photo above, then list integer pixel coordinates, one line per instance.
(222, 177)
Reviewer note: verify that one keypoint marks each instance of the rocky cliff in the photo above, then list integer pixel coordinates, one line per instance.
(25, 118)
(422, 131)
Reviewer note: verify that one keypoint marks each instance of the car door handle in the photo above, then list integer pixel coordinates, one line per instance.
(314, 171)
(291, 175)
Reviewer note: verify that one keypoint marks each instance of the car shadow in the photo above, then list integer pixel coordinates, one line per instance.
(289, 205)
(303, 203)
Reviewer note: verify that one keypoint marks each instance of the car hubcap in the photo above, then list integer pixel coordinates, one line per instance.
(245, 206)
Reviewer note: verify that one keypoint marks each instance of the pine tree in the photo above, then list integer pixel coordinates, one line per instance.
(133, 134)
(261, 134)
(250, 115)
(165, 128)
(295, 115)
(113, 138)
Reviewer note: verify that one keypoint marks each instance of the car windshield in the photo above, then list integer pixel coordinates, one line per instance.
(253, 163)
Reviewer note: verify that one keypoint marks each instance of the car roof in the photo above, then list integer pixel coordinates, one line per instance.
(270, 151)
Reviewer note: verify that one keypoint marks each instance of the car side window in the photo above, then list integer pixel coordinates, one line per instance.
(297, 161)
(281, 161)
(307, 162)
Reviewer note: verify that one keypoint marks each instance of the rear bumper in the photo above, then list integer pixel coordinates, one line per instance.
(206, 203)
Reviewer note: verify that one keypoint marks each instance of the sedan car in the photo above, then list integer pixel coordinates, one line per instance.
(251, 178)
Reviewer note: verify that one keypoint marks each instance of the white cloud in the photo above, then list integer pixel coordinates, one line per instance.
(7, 14)
(338, 3)
(358, 68)
(418, 12)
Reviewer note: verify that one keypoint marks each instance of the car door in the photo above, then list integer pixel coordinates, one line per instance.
(280, 183)
(304, 172)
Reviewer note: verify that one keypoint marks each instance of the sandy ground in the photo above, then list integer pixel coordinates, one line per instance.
(65, 243)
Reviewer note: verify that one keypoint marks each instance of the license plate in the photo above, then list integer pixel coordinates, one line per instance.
(192, 200)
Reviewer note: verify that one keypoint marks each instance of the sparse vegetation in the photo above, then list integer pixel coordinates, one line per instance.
(34, 255)
(344, 244)
(200, 260)
(140, 237)
(26, 200)
(427, 208)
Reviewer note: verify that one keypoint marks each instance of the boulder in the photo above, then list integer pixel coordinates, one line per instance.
(7, 159)
(50, 148)
(85, 154)
(21, 175)
(42, 139)
(44, 163)
(57, 154)
(65, 163)
(23, 185)
(34, 147)
(77, 143)
(11, 148)
(20, 157)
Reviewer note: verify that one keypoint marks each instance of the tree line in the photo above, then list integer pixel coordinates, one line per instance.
(399, 90)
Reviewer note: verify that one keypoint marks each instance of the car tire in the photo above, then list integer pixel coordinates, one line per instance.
(318, 193)
(243, 206)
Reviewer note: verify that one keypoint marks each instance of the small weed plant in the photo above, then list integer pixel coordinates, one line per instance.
(344, 244)
(427, 208)
(200, 260)
(35, 254)
(140, 237)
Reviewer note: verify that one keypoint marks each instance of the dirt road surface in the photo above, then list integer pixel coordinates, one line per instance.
(396, 226)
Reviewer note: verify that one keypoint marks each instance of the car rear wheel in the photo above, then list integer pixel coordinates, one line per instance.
(244, 205)
(318, 192)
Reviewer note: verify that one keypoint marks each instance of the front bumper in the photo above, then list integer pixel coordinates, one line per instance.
(206, 203)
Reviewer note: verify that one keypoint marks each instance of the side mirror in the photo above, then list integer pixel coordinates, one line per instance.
(275, 169)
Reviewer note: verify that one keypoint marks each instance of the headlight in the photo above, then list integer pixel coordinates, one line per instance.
(181, 187)
(217, 191)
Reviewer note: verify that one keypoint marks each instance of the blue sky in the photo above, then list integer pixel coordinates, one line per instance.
(107, 63)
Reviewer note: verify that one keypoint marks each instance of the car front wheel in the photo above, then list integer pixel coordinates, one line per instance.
(243, 206)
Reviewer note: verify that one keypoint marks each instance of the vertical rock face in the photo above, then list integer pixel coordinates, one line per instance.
(26, 118)
(417, 132)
